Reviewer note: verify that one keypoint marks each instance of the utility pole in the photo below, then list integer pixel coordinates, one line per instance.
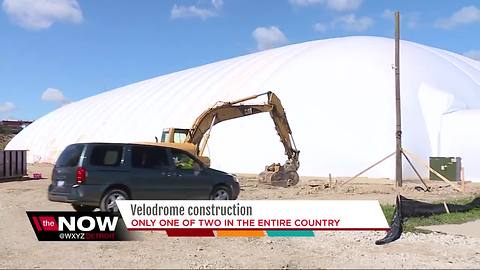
(398, 113)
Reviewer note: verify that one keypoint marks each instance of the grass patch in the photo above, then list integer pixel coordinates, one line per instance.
(411, 224)
(388, 211)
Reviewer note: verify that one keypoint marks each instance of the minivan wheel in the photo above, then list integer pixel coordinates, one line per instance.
(108, 202)
(83, 208)
(221, 193)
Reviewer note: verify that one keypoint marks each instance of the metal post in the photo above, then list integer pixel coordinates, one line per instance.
(398, 134)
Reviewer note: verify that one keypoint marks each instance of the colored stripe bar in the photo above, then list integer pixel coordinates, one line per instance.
(290, 233)
(190, 233)
(240, 233)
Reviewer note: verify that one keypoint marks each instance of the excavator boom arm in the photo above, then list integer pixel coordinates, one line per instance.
(231, 110)
(219, 114)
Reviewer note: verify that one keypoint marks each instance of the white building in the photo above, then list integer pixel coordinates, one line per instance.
(338, 95)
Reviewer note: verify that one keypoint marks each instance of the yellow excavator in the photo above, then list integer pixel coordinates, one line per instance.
(195, 139)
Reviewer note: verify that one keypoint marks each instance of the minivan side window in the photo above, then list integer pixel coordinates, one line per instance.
(70, 156)
(106, 155)
(183, 161)
(149, 157)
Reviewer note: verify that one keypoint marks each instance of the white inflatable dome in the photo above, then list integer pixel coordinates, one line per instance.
(339, 98)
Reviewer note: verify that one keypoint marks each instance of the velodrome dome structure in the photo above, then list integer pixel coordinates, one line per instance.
(338, 95)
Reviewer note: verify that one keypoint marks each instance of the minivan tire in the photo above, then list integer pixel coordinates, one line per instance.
(107, 204)
(83, 208)
(221, 193)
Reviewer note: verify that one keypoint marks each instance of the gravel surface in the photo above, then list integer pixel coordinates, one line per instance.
(20, 249)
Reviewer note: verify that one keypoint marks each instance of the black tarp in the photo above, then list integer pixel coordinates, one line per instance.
(406, 208)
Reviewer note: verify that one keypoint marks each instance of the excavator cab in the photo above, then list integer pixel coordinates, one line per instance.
(174, 135)
(178, 137)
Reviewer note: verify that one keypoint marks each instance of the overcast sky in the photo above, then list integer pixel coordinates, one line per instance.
(53, 52)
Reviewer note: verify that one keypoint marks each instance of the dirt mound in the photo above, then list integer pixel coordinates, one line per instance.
(4, 139)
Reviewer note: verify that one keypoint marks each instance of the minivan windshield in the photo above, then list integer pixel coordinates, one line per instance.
(70, 156)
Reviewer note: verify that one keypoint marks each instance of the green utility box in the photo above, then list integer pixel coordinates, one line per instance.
(449, 167)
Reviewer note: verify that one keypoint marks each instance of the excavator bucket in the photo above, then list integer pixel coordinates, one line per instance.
(279, 175)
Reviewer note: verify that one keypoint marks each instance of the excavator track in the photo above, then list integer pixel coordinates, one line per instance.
(278, 178)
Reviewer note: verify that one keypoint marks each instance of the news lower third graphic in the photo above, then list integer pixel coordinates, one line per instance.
(211, 219)
(252, 218)
(73, 226)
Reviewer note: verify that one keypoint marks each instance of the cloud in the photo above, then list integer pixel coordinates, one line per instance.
(269, 37)
(474, 54)
(351, 22)
(348, 22)
(41, 14)
(388, 14)
(217, 4)
(411, 19)
(306, 2)
(183, 12)
(179, 12)
(7, 107)
(465, 15)
(343, 5)
(55, 95)
(320, 27)
(337, 5)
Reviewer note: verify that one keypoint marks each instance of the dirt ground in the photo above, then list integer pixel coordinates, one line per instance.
(20, 249)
